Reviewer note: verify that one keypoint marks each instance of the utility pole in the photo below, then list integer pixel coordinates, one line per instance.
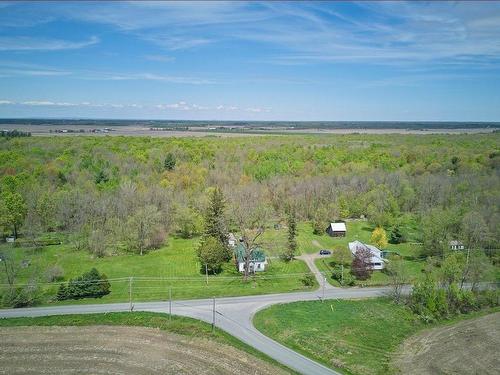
(213, 315)
(130, 292)
(206, 272)
(169, 303)
(342, 275)
(324, 281)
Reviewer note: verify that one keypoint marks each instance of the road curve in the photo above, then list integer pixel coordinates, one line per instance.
(233, 314)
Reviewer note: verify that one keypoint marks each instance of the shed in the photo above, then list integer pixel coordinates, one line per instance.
(337, 229)
(456, 245)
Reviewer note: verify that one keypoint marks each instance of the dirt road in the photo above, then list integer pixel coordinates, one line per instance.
(119, 350)
(468, 347)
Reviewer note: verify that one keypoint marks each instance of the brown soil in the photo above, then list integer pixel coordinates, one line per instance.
(119, 350)
(468, 347)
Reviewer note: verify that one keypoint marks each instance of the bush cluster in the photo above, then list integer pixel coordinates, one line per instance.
(90, 284)
(432, 302)
(345, 280)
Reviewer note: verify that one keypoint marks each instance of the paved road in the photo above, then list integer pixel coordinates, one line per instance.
(233, 314)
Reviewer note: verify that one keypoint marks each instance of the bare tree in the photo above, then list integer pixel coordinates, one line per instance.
(250, 215)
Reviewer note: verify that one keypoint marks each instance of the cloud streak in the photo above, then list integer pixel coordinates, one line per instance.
(172, 107)
(25, 43)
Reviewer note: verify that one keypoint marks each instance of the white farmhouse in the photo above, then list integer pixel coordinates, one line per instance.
(377, 262)
(258, 260)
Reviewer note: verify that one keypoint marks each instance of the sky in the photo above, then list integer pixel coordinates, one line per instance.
(302, 61)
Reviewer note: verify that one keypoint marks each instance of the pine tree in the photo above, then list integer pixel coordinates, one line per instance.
(292, 234)
(396, 236)
(62, 293)
(215, 223)
(169, 162)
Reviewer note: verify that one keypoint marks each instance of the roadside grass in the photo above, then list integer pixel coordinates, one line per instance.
(353, 336)
(177, 324)
(173, 267)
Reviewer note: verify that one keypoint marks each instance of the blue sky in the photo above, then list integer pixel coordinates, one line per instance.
(398, 61)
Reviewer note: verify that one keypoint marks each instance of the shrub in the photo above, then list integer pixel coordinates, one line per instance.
(90, 284)
(308, 279)
(54, 273)
(346, 279)
(21, 297)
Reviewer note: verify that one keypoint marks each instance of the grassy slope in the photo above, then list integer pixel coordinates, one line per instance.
(356, 337)
(176, 260)
(179, 325)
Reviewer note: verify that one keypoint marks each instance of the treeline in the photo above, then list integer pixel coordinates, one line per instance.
(14, 133)
(118, 194)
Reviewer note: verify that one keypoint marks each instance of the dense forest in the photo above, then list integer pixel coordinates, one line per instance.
(116, 194)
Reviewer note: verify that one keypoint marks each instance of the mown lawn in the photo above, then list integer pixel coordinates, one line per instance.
(353, 336)
(176, 324)
(175, 267)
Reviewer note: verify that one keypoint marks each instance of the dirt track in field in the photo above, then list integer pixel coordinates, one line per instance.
(468, 347)
(119, 350)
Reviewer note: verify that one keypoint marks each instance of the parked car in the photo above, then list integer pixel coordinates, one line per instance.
(324, 252)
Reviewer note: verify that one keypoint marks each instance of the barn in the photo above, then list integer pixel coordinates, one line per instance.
(337, 229)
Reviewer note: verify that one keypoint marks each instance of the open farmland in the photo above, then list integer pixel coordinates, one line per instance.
(468, 347)
(111, 350)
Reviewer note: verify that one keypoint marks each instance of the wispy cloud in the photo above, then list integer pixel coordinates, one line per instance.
(24, 43)
(176, 106)
(160, 58)
(154, 77)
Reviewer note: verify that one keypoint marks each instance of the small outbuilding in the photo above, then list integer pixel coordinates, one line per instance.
(231, 240)
(337, 229)
(258, 260)
(377, 262)
(456, 245)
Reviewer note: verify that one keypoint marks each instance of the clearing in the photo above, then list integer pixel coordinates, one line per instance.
(125, 350)
(468, 347)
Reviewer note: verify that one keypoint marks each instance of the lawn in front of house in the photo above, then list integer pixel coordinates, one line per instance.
(174, 267)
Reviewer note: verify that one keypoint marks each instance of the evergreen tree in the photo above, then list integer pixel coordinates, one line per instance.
(292, 234)
(169, 162)
(215, 223)
(396, 236)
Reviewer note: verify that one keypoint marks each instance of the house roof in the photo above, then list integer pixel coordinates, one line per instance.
(375, 252)
(258, 254)
(456, 243)
(338, 227)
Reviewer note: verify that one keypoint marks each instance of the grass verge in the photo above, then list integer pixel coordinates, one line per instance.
(353, 336)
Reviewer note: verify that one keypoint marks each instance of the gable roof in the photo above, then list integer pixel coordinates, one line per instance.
(374, 251)
(258, 254)
(338, 227)
(456, 243)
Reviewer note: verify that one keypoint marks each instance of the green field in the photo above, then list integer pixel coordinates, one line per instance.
(176, 324)
(356, 337)
(173, 267)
